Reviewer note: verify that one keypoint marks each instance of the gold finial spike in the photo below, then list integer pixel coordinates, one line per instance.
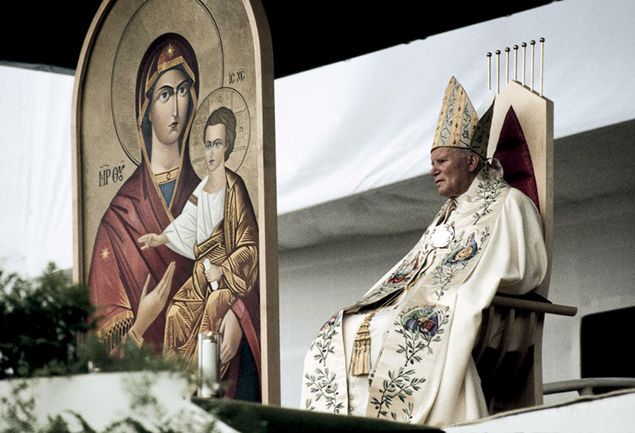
(542, 63)
(489, 71)
(515, 62)
(524, 45)
(533, 49)
(506, 65)
(498, 81)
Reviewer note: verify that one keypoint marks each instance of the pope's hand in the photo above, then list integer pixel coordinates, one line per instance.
(151, 304)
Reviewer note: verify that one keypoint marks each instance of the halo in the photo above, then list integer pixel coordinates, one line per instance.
(223, 97)
(188, 18)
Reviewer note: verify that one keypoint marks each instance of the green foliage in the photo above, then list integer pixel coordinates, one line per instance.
(39, 323)
(47, 329)
(16, 415)
(17, 412)
(94, 356)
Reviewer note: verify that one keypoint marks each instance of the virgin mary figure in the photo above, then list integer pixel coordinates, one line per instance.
(132, 287)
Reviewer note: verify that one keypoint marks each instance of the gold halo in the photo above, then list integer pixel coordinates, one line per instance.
(223, 97)
(188, 18)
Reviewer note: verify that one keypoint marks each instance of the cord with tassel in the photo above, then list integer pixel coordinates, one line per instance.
(360, 360)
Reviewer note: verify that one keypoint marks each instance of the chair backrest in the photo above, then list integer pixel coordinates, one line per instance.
(522, 138)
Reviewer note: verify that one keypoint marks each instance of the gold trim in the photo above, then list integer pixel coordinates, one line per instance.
(167, 176)
(115, 329)
(113, 321)
(166, 66)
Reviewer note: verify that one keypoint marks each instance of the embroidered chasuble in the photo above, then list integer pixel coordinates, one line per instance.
(488, 239)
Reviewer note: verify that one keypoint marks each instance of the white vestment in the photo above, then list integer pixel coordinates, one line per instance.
(421, 365)
(196, 223)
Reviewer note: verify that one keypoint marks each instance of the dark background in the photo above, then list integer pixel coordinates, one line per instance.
(306, 33)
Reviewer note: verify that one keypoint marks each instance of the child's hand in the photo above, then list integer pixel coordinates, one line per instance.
(213, 273)
(150, 240)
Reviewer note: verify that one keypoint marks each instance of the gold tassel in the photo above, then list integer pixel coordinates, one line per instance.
(360, 360)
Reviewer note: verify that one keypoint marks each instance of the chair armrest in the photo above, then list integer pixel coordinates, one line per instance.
(585, 386)
(541, 305)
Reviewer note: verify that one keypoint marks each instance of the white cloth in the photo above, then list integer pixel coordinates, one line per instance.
(197, 221)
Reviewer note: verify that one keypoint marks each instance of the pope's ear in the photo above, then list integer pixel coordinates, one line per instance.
(472, 162)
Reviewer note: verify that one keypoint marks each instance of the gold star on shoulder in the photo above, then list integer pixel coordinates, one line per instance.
(170, 50)
(105, 253)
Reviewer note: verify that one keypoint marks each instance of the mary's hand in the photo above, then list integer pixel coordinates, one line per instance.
(231, 333)
(151, 304)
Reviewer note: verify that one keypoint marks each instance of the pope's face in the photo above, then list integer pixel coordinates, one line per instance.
(169, 105)
(215, 147)
(451, 171)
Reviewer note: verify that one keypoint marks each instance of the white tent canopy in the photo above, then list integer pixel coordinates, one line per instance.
(367, 122)
(341, 129)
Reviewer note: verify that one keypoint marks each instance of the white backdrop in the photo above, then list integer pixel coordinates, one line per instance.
(35, 159)
(368, 122)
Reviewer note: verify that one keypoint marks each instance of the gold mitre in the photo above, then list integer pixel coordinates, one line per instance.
(459, 125)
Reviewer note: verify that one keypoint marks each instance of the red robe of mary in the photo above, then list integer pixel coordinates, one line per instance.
(119, 268)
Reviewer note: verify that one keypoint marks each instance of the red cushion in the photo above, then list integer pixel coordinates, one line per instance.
(513, 153)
